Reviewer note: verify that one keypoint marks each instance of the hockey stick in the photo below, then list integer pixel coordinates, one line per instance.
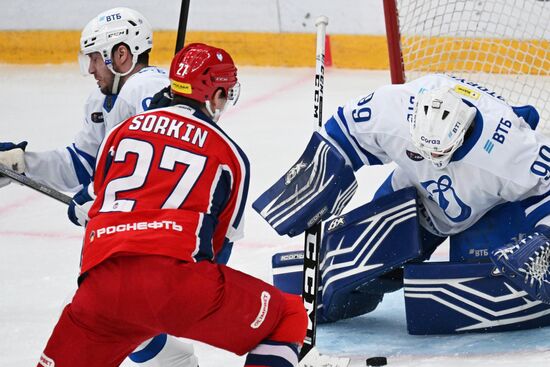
(312, 242)
(182, 25)
(24, 180)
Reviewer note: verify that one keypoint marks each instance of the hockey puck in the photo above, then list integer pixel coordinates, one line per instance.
(376, 361)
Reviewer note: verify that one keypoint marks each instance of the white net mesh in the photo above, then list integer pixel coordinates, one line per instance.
(501, 44)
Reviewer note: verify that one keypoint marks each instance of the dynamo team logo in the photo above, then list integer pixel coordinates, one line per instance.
(442, 192)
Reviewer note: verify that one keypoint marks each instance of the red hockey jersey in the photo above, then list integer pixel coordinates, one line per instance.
(168, 182)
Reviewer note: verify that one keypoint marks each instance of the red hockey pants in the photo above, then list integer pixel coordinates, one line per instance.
(128, 299)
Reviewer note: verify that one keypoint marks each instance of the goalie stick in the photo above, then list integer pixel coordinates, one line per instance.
(312, 242)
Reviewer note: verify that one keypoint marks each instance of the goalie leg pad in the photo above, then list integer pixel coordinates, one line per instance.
(450, 298)
(288, 270)
(319, 185)
(359, 253)
(368, 242)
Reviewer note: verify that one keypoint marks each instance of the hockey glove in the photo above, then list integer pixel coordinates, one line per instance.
(162, 98)
(11, 156)
(527, 263)
(81, 204)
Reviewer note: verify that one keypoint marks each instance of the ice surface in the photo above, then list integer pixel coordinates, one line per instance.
(272, 122)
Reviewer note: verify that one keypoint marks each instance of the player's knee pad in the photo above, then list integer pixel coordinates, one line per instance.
(319, 185)
(448, 298)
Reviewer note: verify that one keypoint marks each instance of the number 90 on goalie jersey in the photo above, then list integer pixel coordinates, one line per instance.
(319, 185)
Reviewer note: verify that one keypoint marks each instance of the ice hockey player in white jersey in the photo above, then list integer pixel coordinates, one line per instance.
(114, 48)
(126, 85)
(464, 150)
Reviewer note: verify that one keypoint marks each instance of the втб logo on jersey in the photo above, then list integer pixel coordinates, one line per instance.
(499, 136)
(442, 192)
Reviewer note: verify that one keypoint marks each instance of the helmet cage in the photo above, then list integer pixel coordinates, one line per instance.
(438, 125)
(439, 157)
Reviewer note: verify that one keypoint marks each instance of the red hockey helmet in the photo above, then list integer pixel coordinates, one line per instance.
(199, 70)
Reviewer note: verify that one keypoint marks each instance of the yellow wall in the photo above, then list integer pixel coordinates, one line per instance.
(290, 49)
(261, 49)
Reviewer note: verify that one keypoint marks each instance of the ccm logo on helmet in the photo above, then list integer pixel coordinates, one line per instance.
(429, 141)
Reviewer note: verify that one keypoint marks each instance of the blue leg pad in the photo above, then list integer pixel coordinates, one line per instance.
(450, 298)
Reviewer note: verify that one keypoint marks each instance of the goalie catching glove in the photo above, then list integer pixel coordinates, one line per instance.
(11, 156)
(319, 185)
(527, 264)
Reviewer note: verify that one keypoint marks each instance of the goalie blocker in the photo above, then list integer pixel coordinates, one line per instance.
(319, 185)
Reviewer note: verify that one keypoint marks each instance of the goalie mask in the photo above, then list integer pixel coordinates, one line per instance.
(439, 123)
(199, 70)
(110, 28)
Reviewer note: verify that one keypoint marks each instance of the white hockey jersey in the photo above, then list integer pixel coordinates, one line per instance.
(67, 169)
(501, 160)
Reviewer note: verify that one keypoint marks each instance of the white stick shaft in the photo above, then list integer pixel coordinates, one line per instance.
(321, 24)
(312, 243)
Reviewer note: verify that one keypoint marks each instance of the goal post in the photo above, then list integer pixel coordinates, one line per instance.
(501, 44)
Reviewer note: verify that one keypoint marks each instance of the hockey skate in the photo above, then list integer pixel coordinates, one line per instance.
(527, 265)
(315, 359)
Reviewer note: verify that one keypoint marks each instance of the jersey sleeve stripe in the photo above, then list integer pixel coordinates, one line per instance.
(83, 174)
(537, 208)
(243, 190)
(205, 247)
(370, 158)
(334, 131)
(87, 157)
(219, 192)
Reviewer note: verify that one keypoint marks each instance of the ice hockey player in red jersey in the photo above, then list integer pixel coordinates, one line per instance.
(169, 189)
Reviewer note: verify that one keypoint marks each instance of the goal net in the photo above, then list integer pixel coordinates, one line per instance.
(501, 44)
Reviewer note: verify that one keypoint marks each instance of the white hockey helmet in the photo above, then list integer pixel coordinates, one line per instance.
(111, 27)
(439, 122)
